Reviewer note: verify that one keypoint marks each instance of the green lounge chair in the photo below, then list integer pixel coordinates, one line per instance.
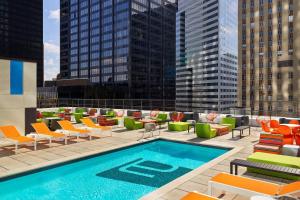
(131, 124)
(205, 131)
(78, 117)
(178, 126)
(229, 121)
(110, 113)
(281, 160)
(47, 114)
(80, 110)
(162, 117)
(61, 110)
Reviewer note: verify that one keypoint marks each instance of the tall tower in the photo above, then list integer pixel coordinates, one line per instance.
(125, 48)
(206, 55)
(269, 56)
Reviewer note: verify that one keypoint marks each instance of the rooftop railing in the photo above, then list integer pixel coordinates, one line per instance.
(279, 108)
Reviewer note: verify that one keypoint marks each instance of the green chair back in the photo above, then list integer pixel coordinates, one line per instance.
(129, 123)
(110, 113)
(80, 110)
(229, 120)
(47, 114)
(60, 110)
(77, 117)
(162, 117)
(204, 131)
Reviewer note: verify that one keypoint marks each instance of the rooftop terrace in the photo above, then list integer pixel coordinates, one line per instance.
(196, 180)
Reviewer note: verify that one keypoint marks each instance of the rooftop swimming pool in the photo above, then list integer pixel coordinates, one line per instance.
(127, 173)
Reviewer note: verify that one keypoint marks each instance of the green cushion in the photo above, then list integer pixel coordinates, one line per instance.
(229, 121)
(282, 160)
(47, 114)
(161, 117)
(110, 113)
(178, 126)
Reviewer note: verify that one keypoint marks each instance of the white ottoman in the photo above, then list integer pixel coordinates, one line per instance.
(291, 150)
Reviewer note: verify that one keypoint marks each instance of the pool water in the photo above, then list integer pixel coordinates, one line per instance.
(124, 174)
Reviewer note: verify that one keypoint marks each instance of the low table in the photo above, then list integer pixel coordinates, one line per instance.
(144, 121)
(264, 166)
(241, 130)
(221, 129)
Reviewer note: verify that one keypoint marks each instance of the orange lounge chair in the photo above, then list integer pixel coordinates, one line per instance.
(70, 129)
(42, 128)
(11, 133)
(250, 187)
(91, 125)
(198, 196)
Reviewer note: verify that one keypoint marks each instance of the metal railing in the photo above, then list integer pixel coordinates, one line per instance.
(279, 108)
(140, 104)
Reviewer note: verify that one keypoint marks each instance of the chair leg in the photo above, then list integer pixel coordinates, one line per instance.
(16, 148)
(35, 144)
(210, 192)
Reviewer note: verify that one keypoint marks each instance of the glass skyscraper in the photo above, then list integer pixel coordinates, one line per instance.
(21, 32)
(126, 48)
(206, 55)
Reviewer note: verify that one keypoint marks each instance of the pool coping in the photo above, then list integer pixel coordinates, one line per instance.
(152, 195)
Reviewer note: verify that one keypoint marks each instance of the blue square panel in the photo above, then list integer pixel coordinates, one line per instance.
(16, 77)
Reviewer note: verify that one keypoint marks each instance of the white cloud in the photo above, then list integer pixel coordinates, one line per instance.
(54, 14)
(51, 60)
(51, 48)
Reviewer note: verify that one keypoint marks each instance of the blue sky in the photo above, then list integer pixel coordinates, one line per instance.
(51, 38)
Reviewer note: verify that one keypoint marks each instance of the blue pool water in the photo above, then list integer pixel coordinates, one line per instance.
(125, 174)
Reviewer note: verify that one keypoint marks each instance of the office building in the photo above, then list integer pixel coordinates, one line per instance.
(21, 32)
(125, 48)
(206, 55)
(269, 56)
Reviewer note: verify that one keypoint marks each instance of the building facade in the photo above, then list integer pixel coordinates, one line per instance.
(206, 55)
(21, 32)
(269, 56)
(126, 48)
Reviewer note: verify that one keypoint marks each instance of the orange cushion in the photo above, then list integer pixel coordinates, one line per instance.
(247, 183)
(197, 196)
(22, 139)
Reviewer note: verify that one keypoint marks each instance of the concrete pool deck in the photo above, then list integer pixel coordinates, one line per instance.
(197, 180)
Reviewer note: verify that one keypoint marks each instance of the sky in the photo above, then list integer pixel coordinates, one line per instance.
(51, 39)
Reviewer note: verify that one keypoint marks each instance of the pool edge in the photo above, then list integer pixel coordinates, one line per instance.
(156, 194)
(78, 157)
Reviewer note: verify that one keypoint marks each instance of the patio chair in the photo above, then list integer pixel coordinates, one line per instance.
(42, 128)
(92, 112)
(286, 132)
(274, 124)
(131, 124)
(250, 187)
(11, 133)
(71, 130)
(198, 196)
(265, 127)
(103, 121)
(293, 121)
(78, 116)
(205, 131)
(90, 124)
(229, 121)
(176, 116)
